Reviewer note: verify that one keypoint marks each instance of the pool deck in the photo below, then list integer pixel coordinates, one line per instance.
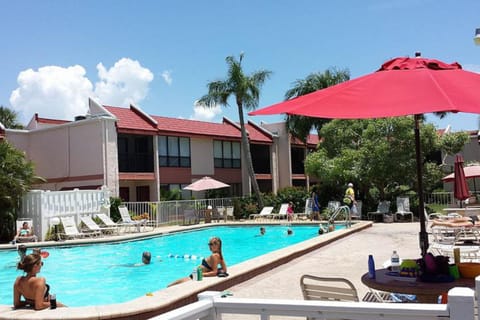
(276, 275)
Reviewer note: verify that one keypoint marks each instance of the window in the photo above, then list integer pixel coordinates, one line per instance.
(174, 151)
(226, 154)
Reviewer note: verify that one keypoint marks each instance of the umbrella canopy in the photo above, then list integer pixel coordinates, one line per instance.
(402, 86)
(460, 187)
(206, 183)
(470, 172)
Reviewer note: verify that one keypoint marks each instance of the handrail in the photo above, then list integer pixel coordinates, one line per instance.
(339, 210)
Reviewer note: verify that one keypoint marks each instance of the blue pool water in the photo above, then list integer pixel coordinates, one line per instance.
(106, 273)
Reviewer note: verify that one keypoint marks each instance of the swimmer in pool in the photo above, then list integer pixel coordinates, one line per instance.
(210, 265)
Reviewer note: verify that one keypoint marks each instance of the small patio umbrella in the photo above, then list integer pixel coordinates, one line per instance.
(460, 187)
(206, 183)
(402, 86)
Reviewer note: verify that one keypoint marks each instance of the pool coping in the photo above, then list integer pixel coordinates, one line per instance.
(171, 298)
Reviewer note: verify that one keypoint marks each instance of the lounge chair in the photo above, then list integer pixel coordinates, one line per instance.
(71, 231)
(332, 206)
(306, 213)
(127, 220)
(358, 214)
(229, 213)
(282, 212)
(403, 209)
(218, 213)
(189, 215)
(31, 237)
(265, 213)
(92, 226)
(108, 223)
(382, 209)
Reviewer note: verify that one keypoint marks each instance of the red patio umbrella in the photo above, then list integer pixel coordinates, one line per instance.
(460, 187)
(402, 86)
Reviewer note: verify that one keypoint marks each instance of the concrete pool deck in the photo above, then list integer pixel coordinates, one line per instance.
(275, 275)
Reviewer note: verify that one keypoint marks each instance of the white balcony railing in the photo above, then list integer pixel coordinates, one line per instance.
(211, 306)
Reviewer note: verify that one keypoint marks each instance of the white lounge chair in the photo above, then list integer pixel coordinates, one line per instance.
(108, 223)
(306, 213)
(92, 226)
(403, 209)
(229, 213)
(127, 220)
(218, 213)
(282, 212)
(71, 231)
(265, 213)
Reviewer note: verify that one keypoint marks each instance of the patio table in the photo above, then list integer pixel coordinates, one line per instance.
(426, 292)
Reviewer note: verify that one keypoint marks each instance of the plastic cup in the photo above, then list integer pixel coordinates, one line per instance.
(453, 271)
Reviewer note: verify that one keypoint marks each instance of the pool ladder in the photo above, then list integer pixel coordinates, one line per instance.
(346, 211)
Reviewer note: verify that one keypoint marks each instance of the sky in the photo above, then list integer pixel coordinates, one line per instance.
(160, 55)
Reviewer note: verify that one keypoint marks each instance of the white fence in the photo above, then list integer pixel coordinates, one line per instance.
(42, 206)
(211, 306)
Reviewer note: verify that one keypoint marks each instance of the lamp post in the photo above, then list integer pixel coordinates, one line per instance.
(476, 39)
(55, 221)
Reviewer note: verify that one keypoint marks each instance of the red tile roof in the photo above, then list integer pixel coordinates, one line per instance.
(49, 121)
(195, 127)
(133, 120)
(257, 134)
(130, 119)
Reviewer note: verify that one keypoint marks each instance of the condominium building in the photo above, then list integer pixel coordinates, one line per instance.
(136, 155)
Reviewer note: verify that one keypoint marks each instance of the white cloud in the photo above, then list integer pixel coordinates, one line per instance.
(52, 91)
(205, 113)
(167, 76)
(124, 83)
(62, 92)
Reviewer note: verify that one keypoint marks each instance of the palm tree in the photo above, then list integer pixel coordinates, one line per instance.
(9, 119)
(300, 126)
(246, 91)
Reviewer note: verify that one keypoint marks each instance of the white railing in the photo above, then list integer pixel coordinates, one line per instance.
(211, 306)
(172, 212)
(41, 206)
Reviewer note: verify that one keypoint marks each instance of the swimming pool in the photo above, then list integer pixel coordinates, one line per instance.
(105, 273)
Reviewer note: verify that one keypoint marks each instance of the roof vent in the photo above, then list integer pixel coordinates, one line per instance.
(78, 118)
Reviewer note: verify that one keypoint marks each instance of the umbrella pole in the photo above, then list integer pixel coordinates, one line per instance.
(423, 235)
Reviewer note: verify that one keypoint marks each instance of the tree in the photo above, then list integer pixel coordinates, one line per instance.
(452, 143)
(377, 154)
(246, 91)
(16, 177)
(300, 126)
(9, 118)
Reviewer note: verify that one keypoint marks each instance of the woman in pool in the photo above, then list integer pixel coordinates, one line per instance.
(32, 288)
(210, 265)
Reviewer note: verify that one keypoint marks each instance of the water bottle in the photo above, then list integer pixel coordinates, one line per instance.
(371, 267)
(195, 274)
(53, 301)
(199, 274)
(395, 262)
